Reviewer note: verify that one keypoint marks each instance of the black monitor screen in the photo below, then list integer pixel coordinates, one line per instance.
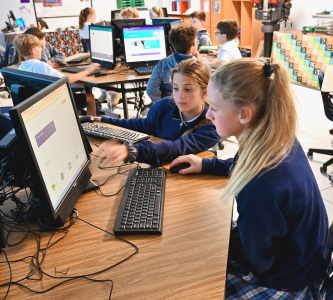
(101, 45)
(48, 128)
(120, 23)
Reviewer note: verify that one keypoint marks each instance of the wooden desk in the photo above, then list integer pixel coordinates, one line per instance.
(114, 77)
(188, 261)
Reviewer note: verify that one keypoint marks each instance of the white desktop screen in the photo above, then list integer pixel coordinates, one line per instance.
(56, 141)
(145, 43)
(101, 43)
(144, 14)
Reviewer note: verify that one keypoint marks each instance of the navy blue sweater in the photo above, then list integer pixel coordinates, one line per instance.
(282, 223)
(163, 120)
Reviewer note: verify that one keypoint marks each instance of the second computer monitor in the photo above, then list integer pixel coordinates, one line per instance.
(102, 45)
(144, 45)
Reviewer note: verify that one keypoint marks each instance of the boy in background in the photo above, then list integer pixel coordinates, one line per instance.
(198, 19)
(226, 32)
(29, 47)
(184, 40)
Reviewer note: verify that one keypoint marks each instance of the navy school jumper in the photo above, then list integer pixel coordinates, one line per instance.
(164, 121)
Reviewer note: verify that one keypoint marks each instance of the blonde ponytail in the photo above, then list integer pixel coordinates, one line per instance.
(271, 135)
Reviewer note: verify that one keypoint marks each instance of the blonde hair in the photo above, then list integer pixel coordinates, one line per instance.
(24, 42)
(195, 69)
(84, 13)
(271, 135)
(158, 11)
(130, 13)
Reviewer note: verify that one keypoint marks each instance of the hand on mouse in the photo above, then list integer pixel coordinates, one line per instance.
(98, 118)
(195, 161)
(52, 64)
(93, 67)
(213, 52)
(111, 153)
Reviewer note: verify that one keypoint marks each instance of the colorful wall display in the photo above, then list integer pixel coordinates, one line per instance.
(302, 55)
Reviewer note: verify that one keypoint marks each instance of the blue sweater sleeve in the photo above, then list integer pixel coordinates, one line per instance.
(216, 166)
(154, 83)
(144, 125)
(157, 154)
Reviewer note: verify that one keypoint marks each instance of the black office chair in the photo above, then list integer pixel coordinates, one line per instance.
(86, 45)
(11, 58)
(328, 107)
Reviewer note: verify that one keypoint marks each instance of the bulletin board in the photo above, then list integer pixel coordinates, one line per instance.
(303, 55)
(59, 8)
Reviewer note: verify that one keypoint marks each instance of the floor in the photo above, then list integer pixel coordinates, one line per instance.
(312, 132)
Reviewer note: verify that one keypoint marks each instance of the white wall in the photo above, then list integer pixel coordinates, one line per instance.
(14, 5)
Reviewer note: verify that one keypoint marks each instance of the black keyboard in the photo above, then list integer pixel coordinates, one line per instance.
(141, 207)
(144, 70)
(78, 59)
(108, 133)
(76, 70)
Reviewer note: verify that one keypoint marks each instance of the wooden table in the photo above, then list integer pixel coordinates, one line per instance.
(188, 261)
(118, 76)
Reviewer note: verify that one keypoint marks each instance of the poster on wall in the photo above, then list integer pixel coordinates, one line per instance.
(205, 6)
(49, 3)
(216, 7)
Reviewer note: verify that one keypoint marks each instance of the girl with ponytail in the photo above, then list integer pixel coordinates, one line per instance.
(87, 16)
(280, 247)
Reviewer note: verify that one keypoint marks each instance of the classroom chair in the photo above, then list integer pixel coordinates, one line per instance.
(10, 58)
(328, 107)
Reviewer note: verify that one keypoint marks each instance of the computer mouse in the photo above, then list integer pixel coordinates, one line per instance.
(100, 73)
(61, 63)
(175, 169)
(86, 119)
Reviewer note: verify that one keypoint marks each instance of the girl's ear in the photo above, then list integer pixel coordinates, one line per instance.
(204, 92)
(245, 115)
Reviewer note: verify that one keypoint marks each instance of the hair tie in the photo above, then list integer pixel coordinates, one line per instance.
(268, 70)
(153, 13)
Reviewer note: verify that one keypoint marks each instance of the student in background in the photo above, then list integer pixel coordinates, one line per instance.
(87, 16)
(29, 47)
(180, 119)
(198, 19)
(280, 248)
(184, 40)
(130, 13)
(50, 54)
(156, 12)
(226, 32)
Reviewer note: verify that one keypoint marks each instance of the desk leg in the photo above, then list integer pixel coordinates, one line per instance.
(124, 99)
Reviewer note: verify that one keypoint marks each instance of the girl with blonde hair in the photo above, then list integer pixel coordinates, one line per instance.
(280, 247)
(130, 13)
(180, 119)
(156, 12)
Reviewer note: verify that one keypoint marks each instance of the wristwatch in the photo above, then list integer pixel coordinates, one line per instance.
(132, 153)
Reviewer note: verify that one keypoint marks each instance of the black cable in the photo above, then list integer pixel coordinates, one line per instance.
(10, 273)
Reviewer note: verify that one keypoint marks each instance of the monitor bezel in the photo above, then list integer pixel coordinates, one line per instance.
(103, 63)
(147, 62)
(69, 200)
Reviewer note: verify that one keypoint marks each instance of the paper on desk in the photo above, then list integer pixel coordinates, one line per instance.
(328, 80)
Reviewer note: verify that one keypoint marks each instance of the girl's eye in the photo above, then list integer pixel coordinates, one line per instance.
(188, 90)
(175, 89)
(213, 109)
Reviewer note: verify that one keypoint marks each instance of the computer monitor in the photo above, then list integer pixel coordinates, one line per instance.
(115, 14)
(144, 45)
(169, 23)
(118, 31)
(20, 23)
(32, 82)
(102, 45)
(56, 153)
(145, 14)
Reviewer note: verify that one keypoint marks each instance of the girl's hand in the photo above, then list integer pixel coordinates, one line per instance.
(111, 153)
(98, 118)
(52, 64)
(213, 52)
(195, 161)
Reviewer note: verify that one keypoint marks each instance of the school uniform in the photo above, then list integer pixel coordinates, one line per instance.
(160, 81)
(165, 121)
(229, 51)
(53, 54)
(283, 241)
(204, 38)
